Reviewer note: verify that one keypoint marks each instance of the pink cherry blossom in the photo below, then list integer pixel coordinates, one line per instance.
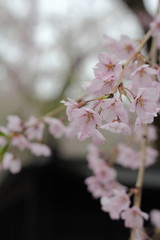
(56, 127)
(127, 47)
(100, 168)
(117, 127)
(71, 105)
(108, 66)
(14, 123)
(122, 48)
(149, 119)
(95, 187)
(104, 172)
(34, 129)
(142, 76)
(155, 217)
(134, 217)
(151, 157)
(71, 131)
(99, 86)
(113, 109)
(151, 133)
(15, 166)
(127, 157)
(112, 45)
(155, 26)
(8, 157)
(145, 104)
(93, 155)
(11, 163)
(97, 137)
(99, 189)
(40, 149)
(116, 204)
(86, 120)
(20, 142)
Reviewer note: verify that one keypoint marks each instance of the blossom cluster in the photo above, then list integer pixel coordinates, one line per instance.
(114, 196)
(27, 135)
(125, 82)
(124, 79)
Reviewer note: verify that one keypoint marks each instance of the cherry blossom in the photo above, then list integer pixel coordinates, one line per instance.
(56, 127)
(34, 129)
(11, 163)
(151, 133)
(113, 109)
(95, 187)
(115, 204)
(14, 123)
(142, 76)
(108, 66)
(99, 189)
(155, 26)
(134, 217)
(93, 155)
(86, 120)
(122, 48)
(127, 157)
(20, 142)
(145, 104)
(99, 86)
(96, 136)
(71, 105)
(40, 149)
(155, 218)
(117, 127)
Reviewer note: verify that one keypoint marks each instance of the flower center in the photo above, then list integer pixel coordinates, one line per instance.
(89, 116)
(140, 101)
(129, 48)
(110, 66)
(141, 72)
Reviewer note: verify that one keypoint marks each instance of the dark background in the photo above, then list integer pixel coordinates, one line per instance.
(52, 202)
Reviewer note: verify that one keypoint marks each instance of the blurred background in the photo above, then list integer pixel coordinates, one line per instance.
(48, 48)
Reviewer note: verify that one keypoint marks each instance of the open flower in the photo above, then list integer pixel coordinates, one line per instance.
(155, 217)
(11, 163)
(145, 104)
(34, 129)
(56, 127)
(134, 217)
(86, 120)
(14, 123)
(108, 66)
(117, 127)
(115, 204)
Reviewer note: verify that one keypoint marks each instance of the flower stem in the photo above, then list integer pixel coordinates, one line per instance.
(140, 177)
